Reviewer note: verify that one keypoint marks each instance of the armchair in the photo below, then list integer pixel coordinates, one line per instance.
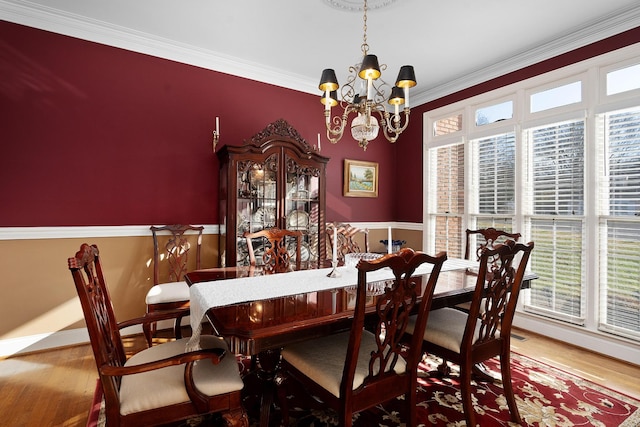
(160, 384)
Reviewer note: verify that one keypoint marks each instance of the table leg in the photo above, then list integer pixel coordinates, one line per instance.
(267, 363)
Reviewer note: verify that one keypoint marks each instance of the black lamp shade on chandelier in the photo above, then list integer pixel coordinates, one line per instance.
(328, 81)
(370, 68)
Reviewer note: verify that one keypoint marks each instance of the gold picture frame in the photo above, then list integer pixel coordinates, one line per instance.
(360, 178)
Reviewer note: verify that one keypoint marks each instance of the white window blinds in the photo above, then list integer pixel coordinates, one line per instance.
(494, 172)
(558, 168)
(620, 225)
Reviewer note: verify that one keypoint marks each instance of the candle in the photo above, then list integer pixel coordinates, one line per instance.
(218, 125)
(318, 142)
(389, 241)
(335, 245)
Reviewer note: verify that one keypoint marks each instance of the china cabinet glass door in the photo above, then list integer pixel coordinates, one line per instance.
(302, 207)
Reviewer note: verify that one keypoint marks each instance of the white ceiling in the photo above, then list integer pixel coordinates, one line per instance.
(451, 43)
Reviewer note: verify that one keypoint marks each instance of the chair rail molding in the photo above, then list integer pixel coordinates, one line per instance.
(77, 232)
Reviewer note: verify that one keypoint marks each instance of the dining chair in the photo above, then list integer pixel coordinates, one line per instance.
(276, 246)
(358, 369)
(170, 291)
(346, 239)
(468, 339)
(160, 384)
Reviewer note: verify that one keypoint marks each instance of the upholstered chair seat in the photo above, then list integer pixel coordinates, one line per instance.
(323, 362)
(168, 384)
(167, 292)
(445, 328)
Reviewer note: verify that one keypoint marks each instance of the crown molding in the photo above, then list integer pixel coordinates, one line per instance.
(357, 6)
(50, 19)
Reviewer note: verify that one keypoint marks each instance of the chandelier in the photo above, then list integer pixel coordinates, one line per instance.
(366, 99)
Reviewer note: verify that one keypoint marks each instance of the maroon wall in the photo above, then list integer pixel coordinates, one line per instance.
(410, 154)
(96, 135)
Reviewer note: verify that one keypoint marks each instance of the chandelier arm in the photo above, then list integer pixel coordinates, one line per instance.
(385, 131)
(391, 132)
(384, 122)
(334, 134)
(391, 122)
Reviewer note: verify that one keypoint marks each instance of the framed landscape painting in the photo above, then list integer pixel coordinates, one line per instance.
(360, 178)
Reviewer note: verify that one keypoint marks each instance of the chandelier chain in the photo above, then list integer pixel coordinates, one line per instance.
(365, 46)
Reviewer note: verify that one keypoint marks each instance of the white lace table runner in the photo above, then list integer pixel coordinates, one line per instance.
(219, 293)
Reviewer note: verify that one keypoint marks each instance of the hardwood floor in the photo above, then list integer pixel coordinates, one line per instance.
(603, 370)
(55, 388)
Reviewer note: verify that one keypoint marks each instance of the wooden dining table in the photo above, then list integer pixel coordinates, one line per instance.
(260, 314)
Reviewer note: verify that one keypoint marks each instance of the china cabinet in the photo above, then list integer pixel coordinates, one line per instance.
(274, 179)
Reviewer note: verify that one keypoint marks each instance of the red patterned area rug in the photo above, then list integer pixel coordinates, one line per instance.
(546, 397)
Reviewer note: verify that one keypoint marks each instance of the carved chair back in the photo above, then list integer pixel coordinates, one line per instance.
(175, 252)
(346, 239)
(487, 237)
(279, 248)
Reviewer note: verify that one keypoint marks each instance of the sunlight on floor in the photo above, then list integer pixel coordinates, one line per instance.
(568, 368)
(13, 367)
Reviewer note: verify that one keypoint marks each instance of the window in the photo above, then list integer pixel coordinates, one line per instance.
(494, 113)
(561, 166)
(447, 172)
(491, 198)
(447, 125)
(557, 97)
(623, 80)
(556, 207)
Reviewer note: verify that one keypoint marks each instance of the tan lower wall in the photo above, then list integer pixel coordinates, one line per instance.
(38, 294)
(413, 239)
